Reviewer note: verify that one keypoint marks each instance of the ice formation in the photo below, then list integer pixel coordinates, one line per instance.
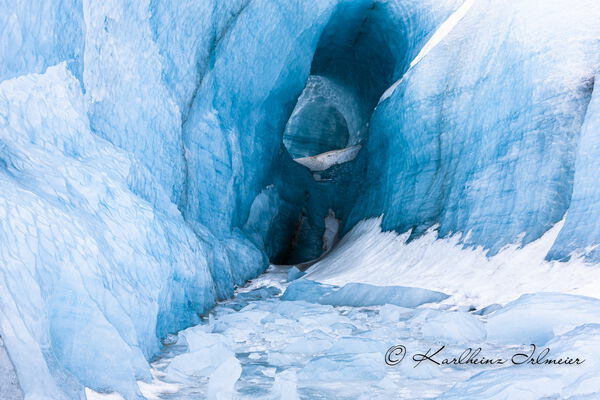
(291, 349)
(482, 136)
(144, 174)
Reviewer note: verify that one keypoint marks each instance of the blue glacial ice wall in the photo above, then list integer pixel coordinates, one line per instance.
(143, 172)
(142, 167)
(580, 234)
(492, 133)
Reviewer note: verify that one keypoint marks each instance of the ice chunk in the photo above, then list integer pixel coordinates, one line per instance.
(454, 326)
(537, 318)
(488, 309)
(197, 339)
(364, 295)
(221, 384)
(294, 273)
(392, 313)
(258, 294)
(360, 294)
(308, 345)
(306, 290)
(351, 345)
(201, 362)
(557, 381)
(344, 368)
(285, 386)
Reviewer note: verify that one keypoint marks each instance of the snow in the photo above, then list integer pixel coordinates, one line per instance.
(326, 160)
(368, 255)
(443, 30)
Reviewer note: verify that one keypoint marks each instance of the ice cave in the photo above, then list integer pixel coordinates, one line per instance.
(293, 199)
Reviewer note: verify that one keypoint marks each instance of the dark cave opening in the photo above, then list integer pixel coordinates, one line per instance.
(353, 64)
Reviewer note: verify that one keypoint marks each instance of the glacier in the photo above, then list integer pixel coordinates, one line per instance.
(147, 170)
(481, 135)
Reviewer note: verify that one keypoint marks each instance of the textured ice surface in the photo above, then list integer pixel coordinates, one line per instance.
(317, 124)
(565, 382)
(91, 271)
(536, 318)
(294, 273)
(483, 135)
(143, 173)
(363, 295)
(303, 350)
(307, 290)
(360, 294)
(9, 384)
(578, 234)
(456, 327)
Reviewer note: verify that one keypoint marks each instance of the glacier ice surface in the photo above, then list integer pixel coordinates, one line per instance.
(338, 352)
(144, 177)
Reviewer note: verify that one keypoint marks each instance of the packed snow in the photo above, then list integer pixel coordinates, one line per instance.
(326, 160)
(368, 255)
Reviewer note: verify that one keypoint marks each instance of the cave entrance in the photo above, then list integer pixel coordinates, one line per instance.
(353, 64)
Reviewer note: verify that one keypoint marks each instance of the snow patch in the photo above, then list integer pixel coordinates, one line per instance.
(368, 255)
(326, 160)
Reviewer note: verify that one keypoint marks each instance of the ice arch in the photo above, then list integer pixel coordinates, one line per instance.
(361, 51)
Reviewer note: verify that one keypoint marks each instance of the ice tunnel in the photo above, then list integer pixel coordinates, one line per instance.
(360, 52)
(352, 66)
(356, 60)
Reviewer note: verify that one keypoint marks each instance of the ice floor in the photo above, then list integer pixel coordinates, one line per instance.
(260, 346)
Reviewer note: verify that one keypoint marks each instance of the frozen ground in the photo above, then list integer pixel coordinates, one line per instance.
(260, 346)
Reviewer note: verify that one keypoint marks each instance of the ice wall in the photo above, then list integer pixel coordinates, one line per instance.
(143, 171)
(324, 119)
(580, 234)
(481, 136)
